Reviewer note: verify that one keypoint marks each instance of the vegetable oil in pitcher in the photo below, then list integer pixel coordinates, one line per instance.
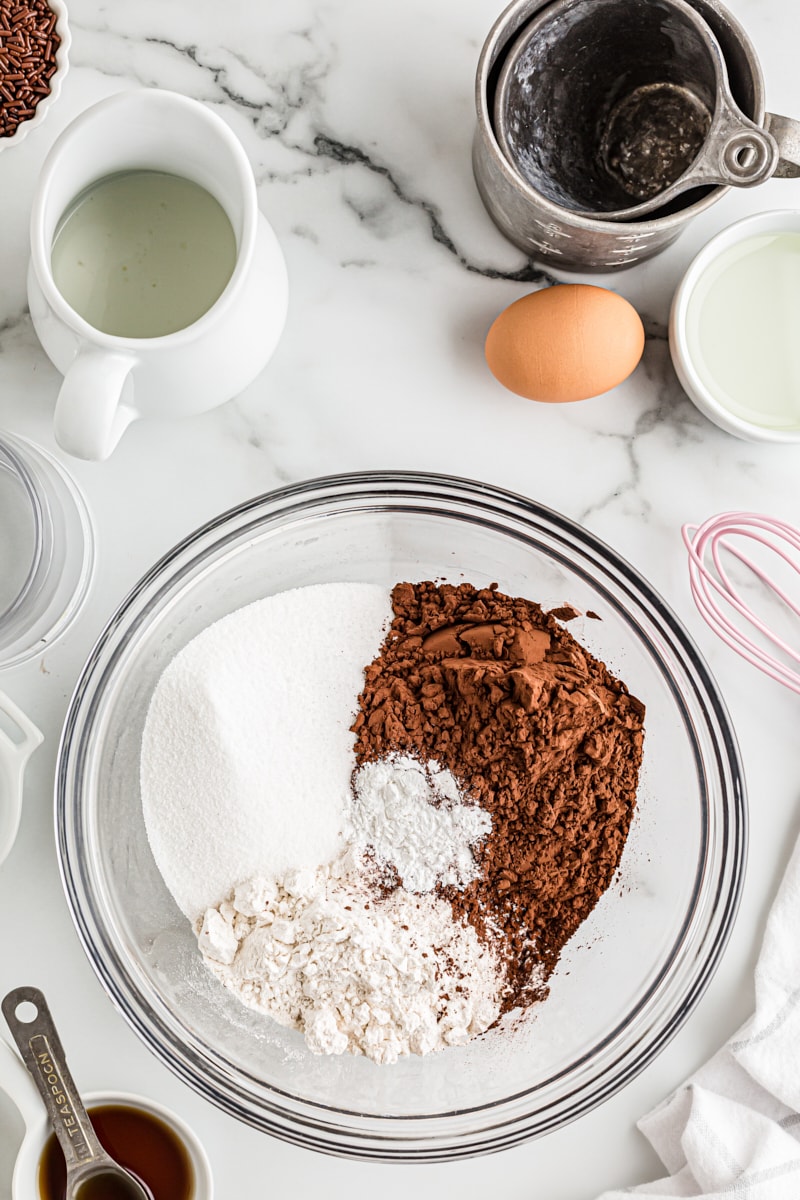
(142, 254)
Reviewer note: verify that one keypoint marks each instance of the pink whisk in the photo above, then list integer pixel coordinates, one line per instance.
(706, 544)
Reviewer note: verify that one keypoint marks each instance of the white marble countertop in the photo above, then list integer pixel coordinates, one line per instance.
(357, 116)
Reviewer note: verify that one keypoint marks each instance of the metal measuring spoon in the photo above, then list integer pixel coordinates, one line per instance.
(92, 1174)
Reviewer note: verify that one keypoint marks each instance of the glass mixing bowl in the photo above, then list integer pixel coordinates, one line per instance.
(626, 981)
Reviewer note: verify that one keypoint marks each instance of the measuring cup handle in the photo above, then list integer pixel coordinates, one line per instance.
(740, 153)
(90, 416)
(19, 1087)
(14, 755)
(31, 736)
(786, 132)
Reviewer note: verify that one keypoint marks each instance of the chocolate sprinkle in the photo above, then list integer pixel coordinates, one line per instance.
(28, 45)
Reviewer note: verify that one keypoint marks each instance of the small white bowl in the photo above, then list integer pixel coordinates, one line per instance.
(21, 1090)
(56, 79)
(699, 387)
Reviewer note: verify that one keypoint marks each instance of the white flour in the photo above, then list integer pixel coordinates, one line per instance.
(246, 755)
(414, 818)
(382, 978)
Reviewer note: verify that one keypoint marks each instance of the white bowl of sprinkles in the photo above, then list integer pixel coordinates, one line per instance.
(34, 58)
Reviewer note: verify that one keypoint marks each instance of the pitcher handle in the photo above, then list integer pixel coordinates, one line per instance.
(90, 416)
(786, 132)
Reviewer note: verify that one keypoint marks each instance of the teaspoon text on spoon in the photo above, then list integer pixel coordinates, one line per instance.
(92, 1174)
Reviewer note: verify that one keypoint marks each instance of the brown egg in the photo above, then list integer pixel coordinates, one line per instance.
(567, 342)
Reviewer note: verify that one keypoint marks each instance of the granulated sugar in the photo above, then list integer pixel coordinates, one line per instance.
(247, 753)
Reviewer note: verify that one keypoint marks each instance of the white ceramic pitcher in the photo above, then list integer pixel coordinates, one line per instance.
(110, 381)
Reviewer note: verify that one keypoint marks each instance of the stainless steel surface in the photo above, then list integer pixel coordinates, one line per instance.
(786, 132)
(40, 1046)
(553, 234)
(646, 115)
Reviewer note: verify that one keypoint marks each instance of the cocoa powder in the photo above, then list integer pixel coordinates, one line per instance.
(538, 732)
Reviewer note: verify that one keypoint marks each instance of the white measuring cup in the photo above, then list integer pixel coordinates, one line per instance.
(14, 755)
(21, 1090)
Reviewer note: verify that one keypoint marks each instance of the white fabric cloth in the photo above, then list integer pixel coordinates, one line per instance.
(732, 1132)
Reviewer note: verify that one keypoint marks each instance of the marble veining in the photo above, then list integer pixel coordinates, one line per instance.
(357, 117)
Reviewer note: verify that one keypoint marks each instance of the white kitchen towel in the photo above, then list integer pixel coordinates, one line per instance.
(732, 1132)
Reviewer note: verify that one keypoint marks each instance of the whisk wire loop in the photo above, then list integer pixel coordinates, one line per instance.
(710, 541)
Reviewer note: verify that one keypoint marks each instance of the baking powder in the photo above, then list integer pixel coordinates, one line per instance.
(413, 817)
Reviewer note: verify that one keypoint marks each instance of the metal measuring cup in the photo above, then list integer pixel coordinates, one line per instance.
(587, 237)
(646, 113)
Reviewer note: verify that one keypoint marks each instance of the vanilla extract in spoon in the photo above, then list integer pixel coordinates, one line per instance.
(110, 1187)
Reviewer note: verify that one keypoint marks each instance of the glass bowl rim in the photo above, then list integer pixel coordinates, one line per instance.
(310, 1123)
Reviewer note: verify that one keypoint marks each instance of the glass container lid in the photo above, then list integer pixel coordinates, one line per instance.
(46, 550)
